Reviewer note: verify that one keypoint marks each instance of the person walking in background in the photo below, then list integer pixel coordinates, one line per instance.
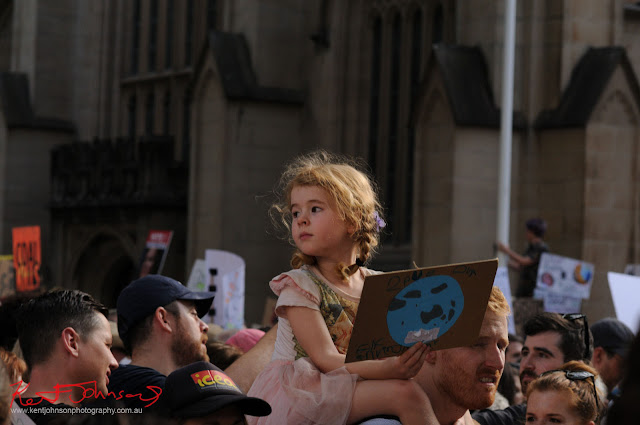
(527, 263)
(332, 212)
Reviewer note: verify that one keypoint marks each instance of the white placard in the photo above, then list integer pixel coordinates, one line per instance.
(199, 277)
(625, 292)
(556, 303)
(228, 280)
(502, 281)
(564, 276)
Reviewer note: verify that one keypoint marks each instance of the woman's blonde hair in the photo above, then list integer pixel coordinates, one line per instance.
(582, 392)
(353, 195)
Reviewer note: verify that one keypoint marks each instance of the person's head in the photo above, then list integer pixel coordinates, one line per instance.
(536, 226)
(201, 392)
(611, 340)
(514, 350)
(222, 354)
(72, 326)
(468, 376)
(626, 409)
(552, 339)
(346, 192)
(567, 395)
(16, 367)
(165, 302)
(245, 339)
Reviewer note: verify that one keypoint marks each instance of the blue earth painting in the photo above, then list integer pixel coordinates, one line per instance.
(424, 310)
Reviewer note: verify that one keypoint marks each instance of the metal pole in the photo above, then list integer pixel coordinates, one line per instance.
(504, 184)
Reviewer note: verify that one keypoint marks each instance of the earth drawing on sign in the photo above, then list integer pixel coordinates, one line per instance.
(424, 310)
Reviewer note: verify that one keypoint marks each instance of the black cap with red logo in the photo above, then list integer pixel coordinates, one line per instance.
(201, 389)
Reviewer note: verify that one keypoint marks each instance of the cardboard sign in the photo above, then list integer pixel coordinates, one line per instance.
(155, 252)
(563, 276)
(442, 306)
(7, 276)
(27, 257)
(625, 292)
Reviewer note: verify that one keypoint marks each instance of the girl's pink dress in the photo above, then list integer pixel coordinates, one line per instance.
(296, 390)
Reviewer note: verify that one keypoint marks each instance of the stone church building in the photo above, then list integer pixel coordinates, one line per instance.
(121, 116)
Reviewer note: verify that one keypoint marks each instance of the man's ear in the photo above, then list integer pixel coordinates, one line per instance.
(70, 340)
(162, 319)
(598, 353)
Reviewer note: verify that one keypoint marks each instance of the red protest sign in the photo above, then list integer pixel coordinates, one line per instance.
(27, 257)
(155, 252)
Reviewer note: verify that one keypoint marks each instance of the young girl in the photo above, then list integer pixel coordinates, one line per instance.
(334, 218)
(565, 396)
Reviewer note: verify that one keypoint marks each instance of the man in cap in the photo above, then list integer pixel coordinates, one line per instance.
(611, 340)
(159, 322)
(201, 393)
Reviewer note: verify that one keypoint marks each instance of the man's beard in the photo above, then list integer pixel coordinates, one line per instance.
(524, 385)
(458, 384)
(186, 351)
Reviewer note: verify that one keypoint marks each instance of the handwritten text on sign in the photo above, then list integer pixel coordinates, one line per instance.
(27, 257)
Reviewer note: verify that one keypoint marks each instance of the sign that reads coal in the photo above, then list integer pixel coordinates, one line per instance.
(27, 257)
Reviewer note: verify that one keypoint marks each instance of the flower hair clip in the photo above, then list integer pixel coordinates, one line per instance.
(380, 224)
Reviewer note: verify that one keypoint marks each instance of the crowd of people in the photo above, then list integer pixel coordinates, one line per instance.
(169, 370)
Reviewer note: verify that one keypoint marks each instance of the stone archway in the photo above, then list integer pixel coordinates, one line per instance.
(103, 268)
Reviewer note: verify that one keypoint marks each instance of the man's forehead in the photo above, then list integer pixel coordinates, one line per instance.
(188, 304)
(494, 324)
(101, 325)
(548, 339)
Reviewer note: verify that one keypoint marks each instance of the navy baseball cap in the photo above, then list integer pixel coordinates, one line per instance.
(143, 296)
(201, 389)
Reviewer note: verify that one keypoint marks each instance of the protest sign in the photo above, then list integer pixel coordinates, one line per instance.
(625, 292)
(7, 276)
(199, 277)
(27, 257)
(155, 252)
(558, 303)
(563, 276)
(442, 306)
(502, 282)
(226, 273)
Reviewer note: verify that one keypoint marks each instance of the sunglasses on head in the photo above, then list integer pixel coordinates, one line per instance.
(577, 316)
(577, 375)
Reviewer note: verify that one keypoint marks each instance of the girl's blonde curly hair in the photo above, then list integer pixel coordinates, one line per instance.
(353, 194)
